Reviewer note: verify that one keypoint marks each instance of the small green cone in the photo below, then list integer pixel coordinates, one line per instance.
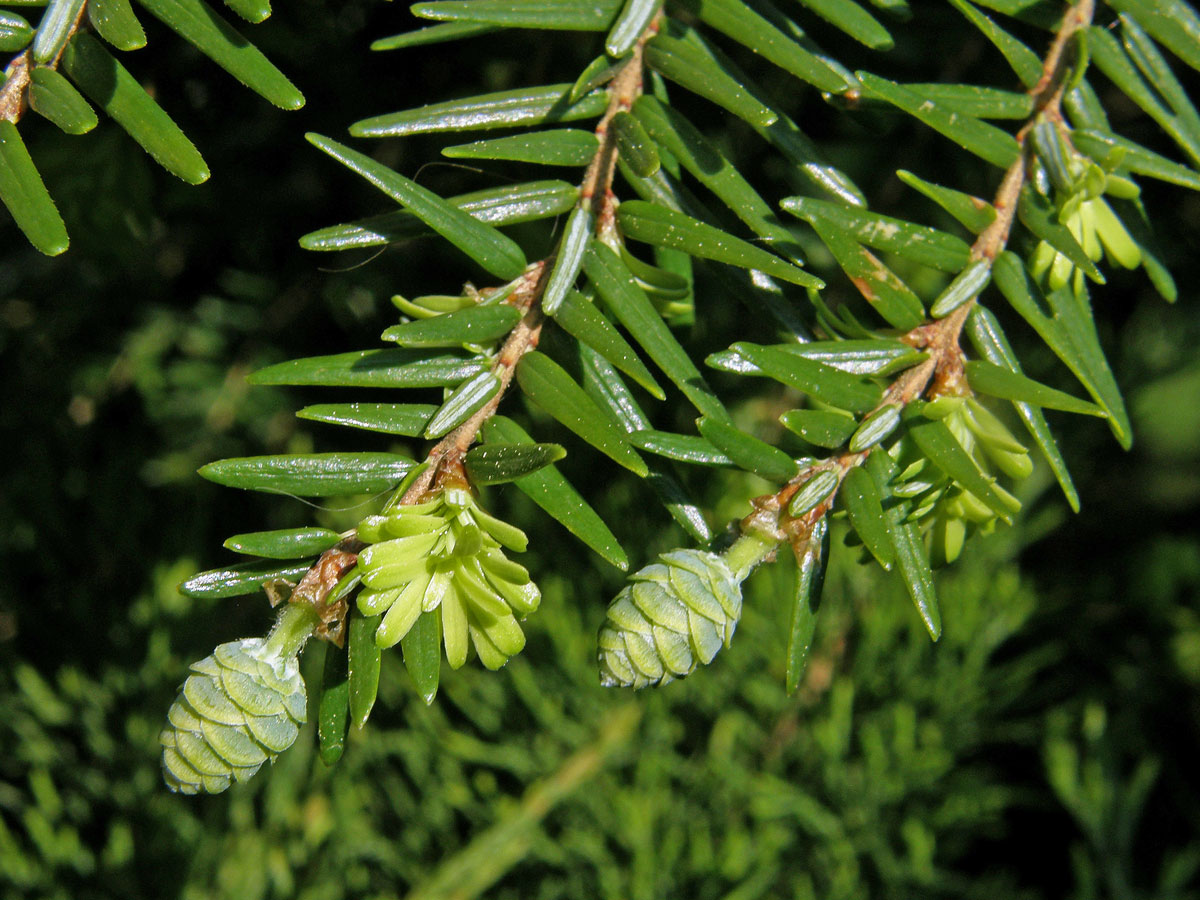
(241, 706)
(672, 616)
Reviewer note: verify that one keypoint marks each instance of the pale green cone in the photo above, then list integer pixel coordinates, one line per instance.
(241, 706)
(673, 615)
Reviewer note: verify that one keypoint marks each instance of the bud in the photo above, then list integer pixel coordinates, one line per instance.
(446, 554)
(241, 706)
(1082, 225)
(673, 615)
(1042, 258)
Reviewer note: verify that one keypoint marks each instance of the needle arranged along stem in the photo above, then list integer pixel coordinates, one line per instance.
(941, 373)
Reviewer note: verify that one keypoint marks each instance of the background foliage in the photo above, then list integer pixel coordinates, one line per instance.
(1043, 748)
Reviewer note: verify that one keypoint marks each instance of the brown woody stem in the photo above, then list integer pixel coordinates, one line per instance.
(595, 193)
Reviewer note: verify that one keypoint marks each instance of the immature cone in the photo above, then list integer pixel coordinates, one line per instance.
(673, 615)
(240, 707)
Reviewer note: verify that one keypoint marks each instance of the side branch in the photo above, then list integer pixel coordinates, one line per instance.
(445, 460)
(942, 372)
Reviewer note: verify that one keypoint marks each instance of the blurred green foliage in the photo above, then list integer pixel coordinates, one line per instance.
(1043, 748)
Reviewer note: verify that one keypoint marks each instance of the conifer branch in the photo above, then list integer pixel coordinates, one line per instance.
(444, 462)
(595, 195)
(431, 568)
(942, 372)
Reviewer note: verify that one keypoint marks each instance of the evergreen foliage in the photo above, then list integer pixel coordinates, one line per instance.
(867, 383)
(894, 400)
(63, 40)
